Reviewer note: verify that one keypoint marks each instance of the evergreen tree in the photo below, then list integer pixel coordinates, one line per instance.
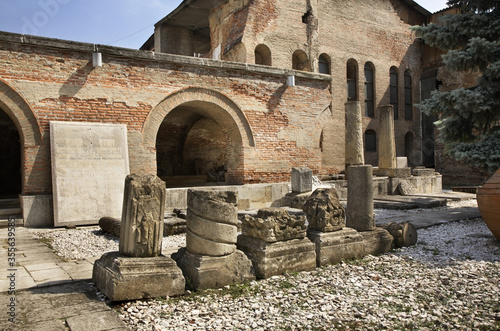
(469, 122)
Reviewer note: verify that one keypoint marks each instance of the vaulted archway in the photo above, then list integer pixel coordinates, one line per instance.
(200, 137)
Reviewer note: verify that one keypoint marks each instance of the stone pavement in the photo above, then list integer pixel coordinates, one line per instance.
(52, 294)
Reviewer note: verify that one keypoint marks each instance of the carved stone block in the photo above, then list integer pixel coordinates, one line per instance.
(324, 211)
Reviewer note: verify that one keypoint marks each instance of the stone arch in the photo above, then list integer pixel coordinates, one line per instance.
(17, 113)
(300, 61)
(263, 55)
(197, 113)
(21, 114)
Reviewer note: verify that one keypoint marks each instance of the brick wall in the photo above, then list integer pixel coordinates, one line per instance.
(268, 126)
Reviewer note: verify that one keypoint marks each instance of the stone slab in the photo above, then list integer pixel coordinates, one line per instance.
(333, 247)
(270, 259)
(202, 271)
(99, 321)
(123, 278)
(89, 166)
(38, 211)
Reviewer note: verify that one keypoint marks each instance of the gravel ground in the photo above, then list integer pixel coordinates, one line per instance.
(448, 281)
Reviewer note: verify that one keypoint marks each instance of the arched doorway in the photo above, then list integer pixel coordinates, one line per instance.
(10, 150)
(199, 142)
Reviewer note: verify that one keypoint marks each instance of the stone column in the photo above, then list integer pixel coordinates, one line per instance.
(212, 219)
(360, 214)
(386, 141)
(354, 150)
(210, 258)
(143, 212)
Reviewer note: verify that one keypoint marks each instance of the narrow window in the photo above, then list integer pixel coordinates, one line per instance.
(370, 141)
(369, 91)
(408, 97)
(394, 91)
(352, 80)
(324, 64)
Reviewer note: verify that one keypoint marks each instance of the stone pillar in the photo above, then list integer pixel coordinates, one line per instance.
(360, 214)
(301, 180)
(386, 141)
(138, 270)
(354, 150)
(210, 258)
(212, 220)
(143, 212)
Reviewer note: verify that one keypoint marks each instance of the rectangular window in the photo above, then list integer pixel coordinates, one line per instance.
(369, 92)
(408, 97)
(394, 93)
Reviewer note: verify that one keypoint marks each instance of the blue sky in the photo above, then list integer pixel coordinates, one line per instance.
(124, 23)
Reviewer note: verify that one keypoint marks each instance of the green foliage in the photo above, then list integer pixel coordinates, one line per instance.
(470, 118)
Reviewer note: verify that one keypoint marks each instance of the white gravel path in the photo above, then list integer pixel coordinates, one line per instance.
(449, 281)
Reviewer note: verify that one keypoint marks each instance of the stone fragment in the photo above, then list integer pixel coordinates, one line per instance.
(406, 188)
(324, 211)
(274, 224)
(359, 214)
(212, 219)
(333, 247)
(401, 162)
(143, 212)
(203, 271)
(270, 259)
(301, 179)
(424, 172)
(378, 241)
(123, 278)
(398, 172)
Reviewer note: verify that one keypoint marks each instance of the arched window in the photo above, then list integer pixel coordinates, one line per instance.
(369, 90)
(408, 96)
(352, 80)
(370, 141)
(263, 55)
(394, 91)
(324, 64)
(300, 61)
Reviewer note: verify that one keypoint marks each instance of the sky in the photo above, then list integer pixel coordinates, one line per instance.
(123, 23)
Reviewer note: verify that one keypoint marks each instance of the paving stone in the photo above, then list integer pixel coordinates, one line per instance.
(77, 270)
(100, 321)
(48, 276)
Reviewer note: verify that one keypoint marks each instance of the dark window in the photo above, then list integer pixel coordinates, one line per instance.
(369, 91)
(352, 81)
(324, 64)
(394, 91)
(370, 141)
(408, 97)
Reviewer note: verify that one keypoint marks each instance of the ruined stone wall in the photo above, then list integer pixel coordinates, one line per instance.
(375, 31)
(269, 126)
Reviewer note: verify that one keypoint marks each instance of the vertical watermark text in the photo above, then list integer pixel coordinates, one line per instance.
(11, 269)
(48, 10)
